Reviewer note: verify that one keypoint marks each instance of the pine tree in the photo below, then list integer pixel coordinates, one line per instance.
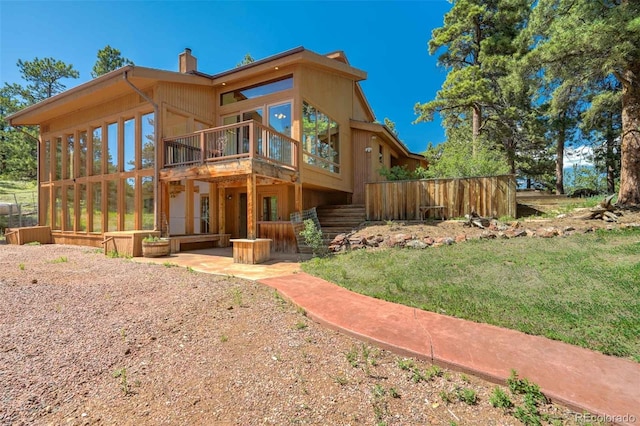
(109, 59)
(595, 40)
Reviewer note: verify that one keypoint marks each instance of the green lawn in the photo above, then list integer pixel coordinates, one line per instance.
(25, 192)
(583, 289)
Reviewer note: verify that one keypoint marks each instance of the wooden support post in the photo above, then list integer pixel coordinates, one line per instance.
(298, 198)
(188, 208)
(252, 207)
(213, 225)
(165, 207)
(221, 210)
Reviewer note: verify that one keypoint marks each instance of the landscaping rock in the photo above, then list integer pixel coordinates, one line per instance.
(416, 244)
(461, 238)
(547, 232)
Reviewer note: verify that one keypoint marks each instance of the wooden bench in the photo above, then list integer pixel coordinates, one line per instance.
(221, 240)
(424, 210)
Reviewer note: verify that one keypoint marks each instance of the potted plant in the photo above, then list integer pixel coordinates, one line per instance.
(155, 247)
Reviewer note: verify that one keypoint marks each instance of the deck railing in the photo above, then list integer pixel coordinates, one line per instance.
(248, 139)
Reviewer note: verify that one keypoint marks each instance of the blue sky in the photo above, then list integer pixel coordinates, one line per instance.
(387, 39)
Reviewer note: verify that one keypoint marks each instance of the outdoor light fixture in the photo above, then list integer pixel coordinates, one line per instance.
(368, 150)
(228, 197)
(279, 116)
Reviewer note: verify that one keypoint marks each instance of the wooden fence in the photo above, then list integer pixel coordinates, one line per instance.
(493, 196)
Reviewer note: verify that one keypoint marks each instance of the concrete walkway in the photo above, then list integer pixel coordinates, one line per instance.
(578, 378)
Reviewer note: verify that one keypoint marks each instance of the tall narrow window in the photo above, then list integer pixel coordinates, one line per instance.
(58, 174)
(70, 209)
(68, 174)
(112, 205)
(112, 148)
(147, 202)
(82, 160)
(57, 206)
(82, 198)
(46, 162)
(129, 204)
(96, 194)
(97, 150)
(148, 141)
(129, 145)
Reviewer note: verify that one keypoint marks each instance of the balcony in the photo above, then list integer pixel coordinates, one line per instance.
(249, 146)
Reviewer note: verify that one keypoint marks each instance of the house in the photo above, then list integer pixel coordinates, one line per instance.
(189, 153)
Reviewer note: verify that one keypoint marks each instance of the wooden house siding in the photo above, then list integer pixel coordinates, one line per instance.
(197, 101)
(97, 114)
(362, 166)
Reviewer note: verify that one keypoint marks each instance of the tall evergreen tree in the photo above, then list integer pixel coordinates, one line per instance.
(109, 59)
(602, 123)
(597, 39)
(18, 147)
(477, 38)
(43, 76)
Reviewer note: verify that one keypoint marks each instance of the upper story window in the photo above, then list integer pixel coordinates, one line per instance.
(257, 90)
(320, 139)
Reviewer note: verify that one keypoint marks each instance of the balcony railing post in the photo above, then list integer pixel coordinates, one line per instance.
(252, 139)
(202, 148)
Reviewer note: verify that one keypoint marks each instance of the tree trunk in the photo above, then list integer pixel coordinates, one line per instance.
(560, 159)
(476, 123)
(629, 194)
(610, 165)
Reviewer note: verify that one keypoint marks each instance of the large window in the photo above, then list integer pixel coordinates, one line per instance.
(112, 148)
(96, 193)
(129, 145)
(148, 141)
(97, 150)
(257, 90)
(320, 139)
(82, 167)
(147, 202)
(46, 162)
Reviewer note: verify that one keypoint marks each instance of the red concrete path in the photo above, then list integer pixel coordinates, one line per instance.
(578, 378)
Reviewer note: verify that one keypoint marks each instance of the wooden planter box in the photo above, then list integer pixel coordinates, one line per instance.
(126, 243)
(156, 248)
(251, 251)
(29, 234)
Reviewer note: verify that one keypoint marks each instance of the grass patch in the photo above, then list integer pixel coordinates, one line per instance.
(581, 290)
(22, 192)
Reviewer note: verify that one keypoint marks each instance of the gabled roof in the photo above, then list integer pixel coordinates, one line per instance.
(113, 84)
(107, 86)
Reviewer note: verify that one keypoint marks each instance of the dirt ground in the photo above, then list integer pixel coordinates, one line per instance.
(537, 213)
(86, 339)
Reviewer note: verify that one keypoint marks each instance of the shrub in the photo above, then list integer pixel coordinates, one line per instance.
(313, 237)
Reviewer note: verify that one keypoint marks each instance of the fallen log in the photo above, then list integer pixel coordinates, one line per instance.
(474, 219)
(603, 211)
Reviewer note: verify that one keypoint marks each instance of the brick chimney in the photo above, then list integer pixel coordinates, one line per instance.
(187, 62)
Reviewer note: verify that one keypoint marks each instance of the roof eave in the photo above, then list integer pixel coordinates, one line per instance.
(22, 117)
